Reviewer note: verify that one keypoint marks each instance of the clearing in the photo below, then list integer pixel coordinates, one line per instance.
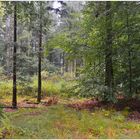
(61, 120)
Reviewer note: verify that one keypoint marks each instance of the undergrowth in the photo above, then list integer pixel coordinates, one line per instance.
(52, 85)
(61, 122)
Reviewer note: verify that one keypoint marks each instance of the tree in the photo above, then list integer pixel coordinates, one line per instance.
(129, 48)
(108, 51)
(43, 23)
(64, 37)
(40, 55)
(14, 101)
(96, 41)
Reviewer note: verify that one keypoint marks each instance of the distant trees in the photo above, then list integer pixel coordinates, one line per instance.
(63, 39)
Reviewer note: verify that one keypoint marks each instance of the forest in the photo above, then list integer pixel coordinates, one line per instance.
(69, 69)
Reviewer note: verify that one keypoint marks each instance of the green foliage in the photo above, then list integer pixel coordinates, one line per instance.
(5, 125)
(50, 68)
(6, 88)
(52, 85)
(91, 87)
(91, 43)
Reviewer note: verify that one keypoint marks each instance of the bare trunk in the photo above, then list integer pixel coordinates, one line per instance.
(39, 57)
(14, 100)
(63, 57)
(129, 52)
(108, 51)
(62, 63)
(75, 67)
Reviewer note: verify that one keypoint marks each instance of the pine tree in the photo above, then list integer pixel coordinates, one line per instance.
(14, 101)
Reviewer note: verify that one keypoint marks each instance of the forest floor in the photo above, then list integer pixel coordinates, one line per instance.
(69, 118)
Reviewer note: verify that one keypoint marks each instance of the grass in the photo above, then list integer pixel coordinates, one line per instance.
(59, 121)
(54, 85)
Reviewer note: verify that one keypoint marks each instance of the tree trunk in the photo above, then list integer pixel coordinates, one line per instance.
(39, 57)
(75, 68)
(7, 46)
(14, 101)
(108, 51)
(50, 57)
(63, 65)
(129, 51)
(66, 64)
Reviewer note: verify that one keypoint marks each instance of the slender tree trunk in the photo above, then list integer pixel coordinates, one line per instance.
(75, 68)
(108, 51)
(63, 56)
(14, 100)
(7, 46)
(61, 66)
(130, 73)
(129, 51)
(66, 64)
(62, 63)
(39, 57)
(50, 57)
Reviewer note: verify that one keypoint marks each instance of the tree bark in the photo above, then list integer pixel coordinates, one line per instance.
(39, 57)
(14, 100)
(129, 51)
(108, 51)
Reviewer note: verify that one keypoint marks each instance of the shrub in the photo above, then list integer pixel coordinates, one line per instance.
(52, 84)
(6, 88)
